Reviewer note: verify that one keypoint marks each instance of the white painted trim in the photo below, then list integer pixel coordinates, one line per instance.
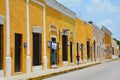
(52, 29)
(53, 36)
(65, 63)
(39, 3)
(8, 66)
(37, 68)
(37, 29)
(44, 22)
(1, 73)
(7, 28)
(28, 61)
(52, 24)
(1, 19)
(8, 58)
(57, 6)
(94, 38)
(28, 27)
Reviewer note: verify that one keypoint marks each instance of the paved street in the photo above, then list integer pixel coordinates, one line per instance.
(105, 71)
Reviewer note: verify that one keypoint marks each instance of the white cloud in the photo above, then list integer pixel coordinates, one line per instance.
(102, 7)
(105, 22)
(70, 3)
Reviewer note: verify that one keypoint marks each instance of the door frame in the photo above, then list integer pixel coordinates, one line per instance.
(21, 53)
(38, 67)
(2, 68)
(65, 63)
(53, 36)
(71, 53)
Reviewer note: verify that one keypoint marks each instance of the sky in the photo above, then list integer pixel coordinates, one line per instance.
(101, 12)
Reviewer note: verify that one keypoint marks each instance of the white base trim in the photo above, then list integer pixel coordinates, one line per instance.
(1, 19)
(65, 63)
(1, 73)
(28, 64)
(37, 68)
(8, 66)
(54, 66)
(85, 60)
(45, 62)
(114, 57)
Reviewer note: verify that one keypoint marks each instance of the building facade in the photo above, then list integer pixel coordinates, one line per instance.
(81, 40)
(107, 42)
(60, 31)
(98, 43)
(89, 41)
(115, 49)
(37, 35)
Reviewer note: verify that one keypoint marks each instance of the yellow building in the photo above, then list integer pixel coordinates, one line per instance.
(89, 41)
(21, 28)
(107, 42)
(37, 35)
(81, 39)
(60, 32)
(84, 37)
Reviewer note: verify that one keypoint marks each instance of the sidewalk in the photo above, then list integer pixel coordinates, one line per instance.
(48, 73)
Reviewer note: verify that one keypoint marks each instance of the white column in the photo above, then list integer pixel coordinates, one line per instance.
(8, 58)
(45, 50)
(28, 63)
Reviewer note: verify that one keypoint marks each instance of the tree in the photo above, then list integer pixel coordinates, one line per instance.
(118, 42)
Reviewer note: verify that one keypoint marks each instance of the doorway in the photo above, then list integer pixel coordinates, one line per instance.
(94, 51)
(64, 47)
(77, 48)
(37, 49)
(18, 48)
(1, 47)
(54, 57)
(82, 50)
(71, 50)
(88, 49)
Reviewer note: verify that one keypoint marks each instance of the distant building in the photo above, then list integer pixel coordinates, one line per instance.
(115, 49)
(98, 43)
(107, 42)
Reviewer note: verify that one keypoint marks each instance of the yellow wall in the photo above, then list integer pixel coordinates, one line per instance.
(81, 35)
(18, 25)
(60, 21)
(107, 38)
(36, 19)
(2, 7)
(89, 33)
(108, 45)
(84, 31)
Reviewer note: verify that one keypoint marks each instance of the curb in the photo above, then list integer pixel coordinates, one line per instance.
(109, 60)
(64, 71)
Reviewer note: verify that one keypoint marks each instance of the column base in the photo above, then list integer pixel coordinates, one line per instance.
(28, 64)
(8, 66)
(1, 73)
(45, 62)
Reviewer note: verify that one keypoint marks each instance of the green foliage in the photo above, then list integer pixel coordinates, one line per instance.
(118, 42)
